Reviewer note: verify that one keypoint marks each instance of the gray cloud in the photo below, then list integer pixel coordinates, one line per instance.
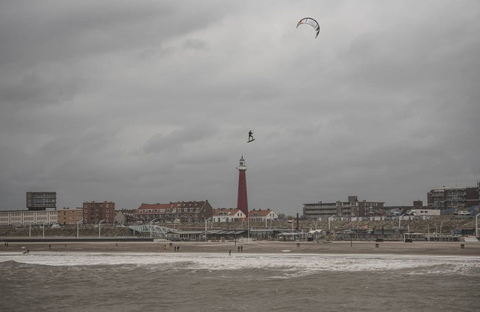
(178, 138)
(152, 101)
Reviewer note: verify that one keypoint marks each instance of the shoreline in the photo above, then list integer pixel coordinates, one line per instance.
(256, 247)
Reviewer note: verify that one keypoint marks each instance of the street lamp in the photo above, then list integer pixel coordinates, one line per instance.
(476, 225)
(400, 220)
(206, 222)
(248, 228)
(329, 222)
(99, 227)
(150, 227)
(78, 231)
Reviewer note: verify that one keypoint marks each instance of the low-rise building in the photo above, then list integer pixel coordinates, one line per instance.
(424, 212)
(184, 212)
(392, 211)
(70, 215)
(26, 217)
(120, 217)
(228, 215)
(262, 215)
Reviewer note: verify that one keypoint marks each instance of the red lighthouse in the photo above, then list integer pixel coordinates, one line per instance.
(242, 203)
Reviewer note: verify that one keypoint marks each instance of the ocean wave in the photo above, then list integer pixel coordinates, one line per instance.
(291, 265)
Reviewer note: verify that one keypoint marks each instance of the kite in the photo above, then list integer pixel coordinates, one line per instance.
(310, 21)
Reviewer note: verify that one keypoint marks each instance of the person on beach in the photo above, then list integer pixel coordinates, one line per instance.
(230, 252)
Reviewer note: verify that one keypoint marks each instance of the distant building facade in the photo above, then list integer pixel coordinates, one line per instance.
(453, 197)
(68, 216)
(120, 217)
(94, 212)
(41, 200)
(424, 212)
(351, 208)
(228, 215)
(262, 215)
(392, 211)
(26, 217)
(184, 212)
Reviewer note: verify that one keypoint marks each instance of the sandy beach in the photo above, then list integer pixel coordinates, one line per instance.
(257, 247)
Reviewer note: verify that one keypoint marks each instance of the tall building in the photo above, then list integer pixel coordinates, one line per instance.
(94, 212)
(41, 200)
(351, 208)
(454, 197)
(242, 202)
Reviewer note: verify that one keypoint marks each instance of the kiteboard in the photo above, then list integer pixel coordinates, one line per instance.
(251, 140)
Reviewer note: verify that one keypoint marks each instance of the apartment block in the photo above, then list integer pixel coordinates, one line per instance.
(185, 212)
(351, 208)
(70, 215)
(445, 198)
(94, 212)
(41, 200)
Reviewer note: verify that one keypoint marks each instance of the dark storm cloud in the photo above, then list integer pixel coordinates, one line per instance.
(152, 101)
(32, 90)
(53, 30)
(177, 138)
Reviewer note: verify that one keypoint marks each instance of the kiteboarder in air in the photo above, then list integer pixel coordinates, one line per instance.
(250, 136)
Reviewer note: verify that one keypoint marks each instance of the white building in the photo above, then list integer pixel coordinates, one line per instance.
(25, 217)
(228, 215)
(262, 215)
(424, 212)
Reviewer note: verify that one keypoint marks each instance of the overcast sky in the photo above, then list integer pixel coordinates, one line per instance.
(151, 101)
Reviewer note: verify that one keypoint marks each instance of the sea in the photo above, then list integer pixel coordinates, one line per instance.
(118, 282)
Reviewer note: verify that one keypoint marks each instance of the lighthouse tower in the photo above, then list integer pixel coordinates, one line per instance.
(242, 203)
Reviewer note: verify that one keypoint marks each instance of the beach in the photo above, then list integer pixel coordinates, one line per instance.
(255, 247)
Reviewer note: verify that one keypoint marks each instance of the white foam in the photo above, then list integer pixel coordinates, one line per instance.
(294, 263)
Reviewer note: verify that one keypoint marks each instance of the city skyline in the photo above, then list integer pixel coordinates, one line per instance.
(153, 101)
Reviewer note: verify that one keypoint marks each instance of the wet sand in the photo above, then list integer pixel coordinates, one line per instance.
(257, 247)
